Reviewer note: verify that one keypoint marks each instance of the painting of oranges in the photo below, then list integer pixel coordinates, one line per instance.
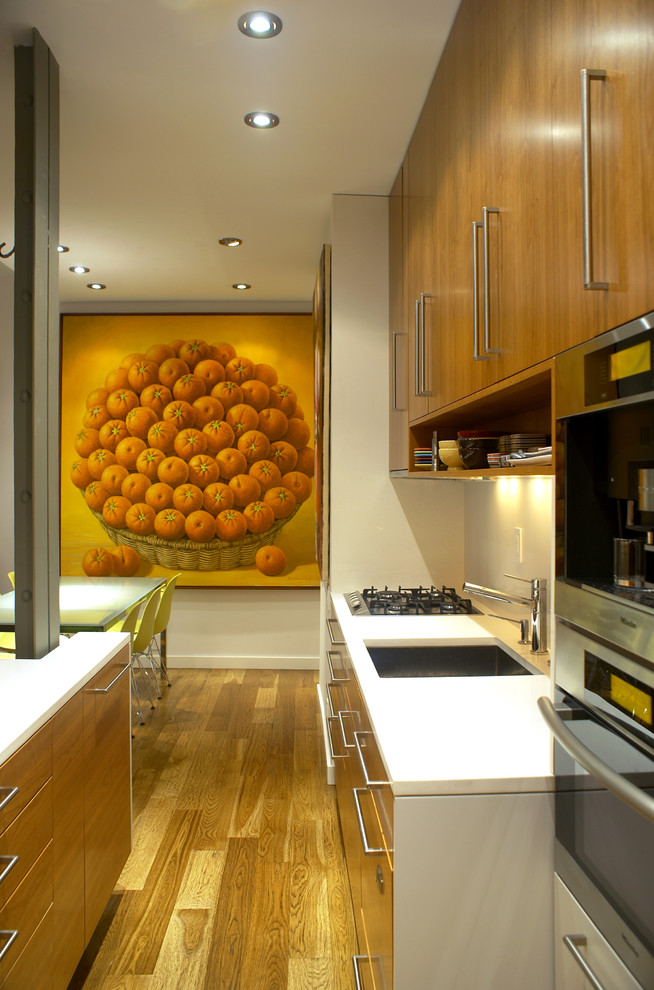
(195, 452)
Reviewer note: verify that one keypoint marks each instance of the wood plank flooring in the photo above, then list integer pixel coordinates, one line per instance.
(237, 878)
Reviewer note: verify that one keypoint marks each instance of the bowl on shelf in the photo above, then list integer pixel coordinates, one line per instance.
(450, 455)
(474, 450)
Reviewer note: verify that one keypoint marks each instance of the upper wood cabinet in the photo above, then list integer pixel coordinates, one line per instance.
(398, 454)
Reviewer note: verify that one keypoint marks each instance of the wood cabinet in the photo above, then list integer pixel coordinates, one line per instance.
(398, 453)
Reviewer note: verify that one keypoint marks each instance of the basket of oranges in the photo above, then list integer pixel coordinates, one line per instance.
(193, 455)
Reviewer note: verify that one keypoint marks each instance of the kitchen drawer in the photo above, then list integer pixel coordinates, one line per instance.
(25, 838)
(32, 968)
(27, 769)
(26, 907)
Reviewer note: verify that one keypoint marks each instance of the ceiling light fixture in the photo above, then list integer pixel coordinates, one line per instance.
(230, 241)
(261, 119)
(79, 269)
(241, 285)
(259, 24)
(96, 285)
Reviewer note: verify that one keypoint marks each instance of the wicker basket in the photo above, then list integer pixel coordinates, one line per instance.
(189, 555)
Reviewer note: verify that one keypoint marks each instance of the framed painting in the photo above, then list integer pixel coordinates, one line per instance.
(187, 446)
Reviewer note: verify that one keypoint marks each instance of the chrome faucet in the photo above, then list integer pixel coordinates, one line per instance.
(537, 603)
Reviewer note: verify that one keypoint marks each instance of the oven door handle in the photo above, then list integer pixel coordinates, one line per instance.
(606, 775)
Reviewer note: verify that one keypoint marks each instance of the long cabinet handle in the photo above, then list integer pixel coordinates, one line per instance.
(334, 642)
(606, 775)
(107, 689)
(9, 936)
(367, 848)
(357, 976)
(424, 385)
(10, 792)
(368, 781)
(337, 680)
(10, 862)
(573, 943)
(476, 354)
(334, 756)
(486, 251)
(586, 175)
(416, 346)
(340, 717)
(395, 334)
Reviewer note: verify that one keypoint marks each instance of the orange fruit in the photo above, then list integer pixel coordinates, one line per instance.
(140, 518)
(219, 435)
(254, 445)
(189, 387)
(272, 422)
(231, 525)
(95, 496)
(267, 474)
(156, 397)
(116, 379)
(284, 455)
(126, 561)
(176, 344)
(129, 359)
(114, 511)
(80, 474)
(194, 351)
(239, 369)
(159, 496)
(271, 560)
(228, 393)
(142, 373)
(223, 352)
(98, 397)
(99, 460)
(135, 486)
(207, 409)
(190, 442)
(200, 526)
(217, 497)
(160, 352)
(306, 461)
(113, 431)
(171, 369)
(297, 413)
(265, 373)
(258, 516)
(246, 489)
(231, 462)
(298, 433)
(169, 524)
(281, 500)
(128, 450)
(86, 441)
(242, 417)
(148, 461)
(203, 470)
(98, 562)
(283, 397)
(162, 435)
(298, 483)
(96, 416)
(121, 401)
(112, 478)
(180, 413)
(187, 498)
(255, 393)
(138, 421)
(173, 471)
(210, 371)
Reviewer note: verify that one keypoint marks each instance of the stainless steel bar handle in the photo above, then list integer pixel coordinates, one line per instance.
(331, 668)
(614, 782)
(424, 389)
(487, 347)
(340, 719)
(367, 848)
(573, 944)
(10, 792)
(107, 689)
(586, 177)
(334, 642)
(395, 334)
(476, 355)
(366, 777)
(416, 346)
(357, 977)
(10, 862)
(9, 936)
(334, 756)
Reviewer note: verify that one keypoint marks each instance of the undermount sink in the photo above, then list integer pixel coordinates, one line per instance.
(461, 660)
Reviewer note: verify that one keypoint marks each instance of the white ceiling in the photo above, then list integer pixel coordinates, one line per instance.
(157, 163)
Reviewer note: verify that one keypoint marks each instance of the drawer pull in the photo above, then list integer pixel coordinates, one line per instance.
(368, 781)
(574, 943)
(107, 689)
(334, 642)
(334, 756)
(340, 717)
(9, 937)
(587, 211)
(10, 862)
(10, 792)
(331, 667)
(367, 848)
(356, 960)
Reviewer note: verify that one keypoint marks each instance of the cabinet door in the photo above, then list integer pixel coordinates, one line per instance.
(107, 783)
(420, 268)
(398, 448)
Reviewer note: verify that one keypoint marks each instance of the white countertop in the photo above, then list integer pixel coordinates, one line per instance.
(31, 691)
(452, 735)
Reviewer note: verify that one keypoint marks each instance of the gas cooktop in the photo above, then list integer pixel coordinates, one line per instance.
(409, 601)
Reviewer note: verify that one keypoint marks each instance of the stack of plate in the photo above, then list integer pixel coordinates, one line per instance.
(422, 457)
(493, 460)
(514, 442)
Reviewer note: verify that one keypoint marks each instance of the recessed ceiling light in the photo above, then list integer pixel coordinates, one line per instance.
(261, 119)
(230, 241)
(241, 285)
(96, 285)
(62, 249)
(259, 24)
(79, 269)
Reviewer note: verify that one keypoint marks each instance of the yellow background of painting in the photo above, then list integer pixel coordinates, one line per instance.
(93, 345)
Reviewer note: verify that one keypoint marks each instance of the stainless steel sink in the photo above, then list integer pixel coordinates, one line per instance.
(461, 660)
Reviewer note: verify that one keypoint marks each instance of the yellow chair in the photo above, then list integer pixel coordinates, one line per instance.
(12, 577)
(7, 642)
(141, 638)
(161, 620)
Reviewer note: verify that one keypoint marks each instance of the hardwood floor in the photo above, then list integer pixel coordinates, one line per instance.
(237, 876)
